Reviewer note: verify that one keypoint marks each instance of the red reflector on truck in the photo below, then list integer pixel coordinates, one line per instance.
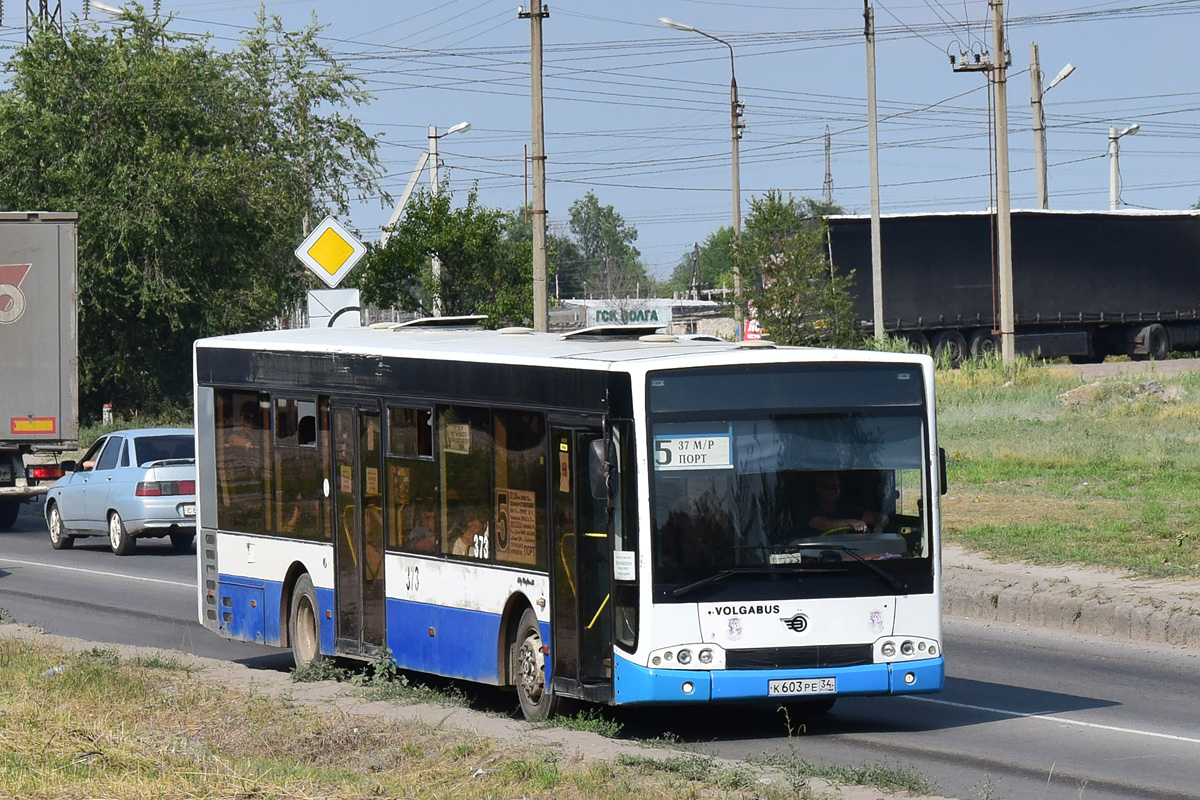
(45, 473)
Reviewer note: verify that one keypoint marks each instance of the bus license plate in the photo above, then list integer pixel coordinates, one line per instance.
(801, 686)
(189, 510)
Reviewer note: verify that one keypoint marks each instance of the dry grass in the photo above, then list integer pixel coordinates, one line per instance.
(106, 727)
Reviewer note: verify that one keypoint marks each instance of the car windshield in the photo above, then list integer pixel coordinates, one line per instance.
(168, 447)
(763, 502)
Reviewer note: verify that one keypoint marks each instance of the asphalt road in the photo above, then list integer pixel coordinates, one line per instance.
(1025, 713)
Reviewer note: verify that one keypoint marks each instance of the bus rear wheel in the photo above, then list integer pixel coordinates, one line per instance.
(538, 701)
(304, 626)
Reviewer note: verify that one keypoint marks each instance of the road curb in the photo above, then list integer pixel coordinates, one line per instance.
(1076, 599)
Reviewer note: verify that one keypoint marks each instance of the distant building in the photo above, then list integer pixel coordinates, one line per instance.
(680, 316)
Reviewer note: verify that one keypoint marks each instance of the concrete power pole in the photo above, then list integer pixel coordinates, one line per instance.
(872, 130)
(1003, 211)
(1039, 125)
(541, 308)
(828, 170)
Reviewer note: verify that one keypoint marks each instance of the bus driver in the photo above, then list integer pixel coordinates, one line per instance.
(833, 512)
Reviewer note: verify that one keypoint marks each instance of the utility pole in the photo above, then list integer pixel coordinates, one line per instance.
(541, 308)
(828, 171)
(736, 109)
(1039, 118)
(1114, 170)
(873, 136)
(983, 62)
(696, 271)
(433, 193)
(1039, 125)
(1003, 212)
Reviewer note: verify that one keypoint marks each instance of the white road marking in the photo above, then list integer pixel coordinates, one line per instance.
(96, 572)
(1053, 718)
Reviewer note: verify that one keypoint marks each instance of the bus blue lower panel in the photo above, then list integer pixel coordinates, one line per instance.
(453, 642)
(251, 610)
(637, 684)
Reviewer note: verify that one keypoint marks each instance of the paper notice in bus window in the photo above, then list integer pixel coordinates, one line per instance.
(701, 451)
(516, 526)
(458, 439)
(372, 480)
(347, 479)
(624, 565)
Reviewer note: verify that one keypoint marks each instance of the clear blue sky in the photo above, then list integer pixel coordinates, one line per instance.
(638, 113)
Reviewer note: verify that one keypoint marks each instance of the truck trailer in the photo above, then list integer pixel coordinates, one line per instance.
(39, 387)
(1086, 284)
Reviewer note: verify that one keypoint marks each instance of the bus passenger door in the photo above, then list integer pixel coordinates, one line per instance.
(581, 623)
(359, 596)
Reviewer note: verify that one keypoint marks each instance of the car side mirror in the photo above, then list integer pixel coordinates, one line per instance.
(68, 466)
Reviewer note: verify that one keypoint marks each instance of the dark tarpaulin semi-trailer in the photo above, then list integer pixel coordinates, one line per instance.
(1085, 284)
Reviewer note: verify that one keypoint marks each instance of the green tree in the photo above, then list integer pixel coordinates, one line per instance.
(189, 182)
(609, 264)
(562, 254)
(485, 267)
(785, 267)
(716, 264)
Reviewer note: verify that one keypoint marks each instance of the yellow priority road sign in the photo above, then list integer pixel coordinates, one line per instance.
(330, 251)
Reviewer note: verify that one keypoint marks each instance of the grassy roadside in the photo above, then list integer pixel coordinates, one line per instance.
(1110, 478)
(92, 724)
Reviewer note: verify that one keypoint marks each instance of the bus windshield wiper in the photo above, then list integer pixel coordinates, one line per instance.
(726, 573)
(887, 577)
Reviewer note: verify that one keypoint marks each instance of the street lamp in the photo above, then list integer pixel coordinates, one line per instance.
(433, 191)
(430, 156)
(1114, 171)
(105, 7)
(1039, 120)
(735, 113)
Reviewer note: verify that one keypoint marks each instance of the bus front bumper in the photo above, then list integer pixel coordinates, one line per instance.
(634, 684)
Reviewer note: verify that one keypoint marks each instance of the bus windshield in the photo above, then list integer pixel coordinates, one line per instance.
(776, 502)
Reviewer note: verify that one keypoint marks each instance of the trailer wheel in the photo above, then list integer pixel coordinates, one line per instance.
(919, 342)
(981, 343)
(950, 346)
(1158, 343)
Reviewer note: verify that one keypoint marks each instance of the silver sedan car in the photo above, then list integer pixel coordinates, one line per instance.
(129, 484)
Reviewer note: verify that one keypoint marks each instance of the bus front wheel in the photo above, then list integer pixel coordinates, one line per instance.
(304, 627)
(538, 701)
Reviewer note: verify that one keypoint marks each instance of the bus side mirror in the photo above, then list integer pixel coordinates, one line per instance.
(602, 471)
(942, 469)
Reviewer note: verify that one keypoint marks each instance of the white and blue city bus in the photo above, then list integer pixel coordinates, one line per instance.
(608, 515)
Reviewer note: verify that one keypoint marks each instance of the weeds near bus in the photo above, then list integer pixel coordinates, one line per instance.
(96, 724)
(380, 679)
(589, 720)
(888, 777)
(1046, 467)
(692, 768)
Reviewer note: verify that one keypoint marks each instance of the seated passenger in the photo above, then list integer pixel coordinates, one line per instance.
(471, 538)
(833, 512)
(422, 538)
